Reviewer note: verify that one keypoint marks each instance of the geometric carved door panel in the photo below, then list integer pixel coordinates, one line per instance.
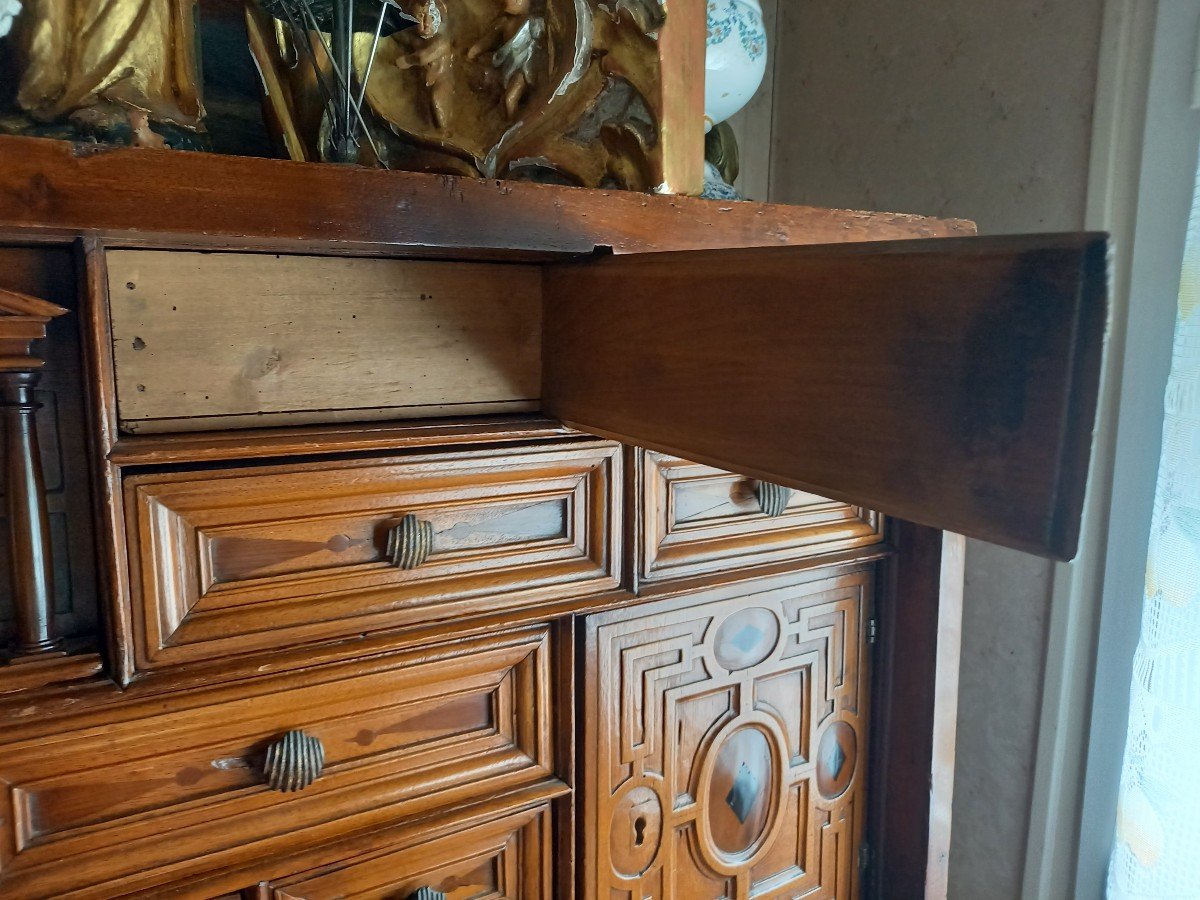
(725, 742)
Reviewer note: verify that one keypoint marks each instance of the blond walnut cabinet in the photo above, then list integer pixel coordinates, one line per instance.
(407, 537)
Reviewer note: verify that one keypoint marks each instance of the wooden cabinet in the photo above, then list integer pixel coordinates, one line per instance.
(385, 596)
(725, 742)
(243, 559)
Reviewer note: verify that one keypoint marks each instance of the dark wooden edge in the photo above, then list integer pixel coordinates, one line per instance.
(171, 198)
(563, 713)
(635, 461)
(100, 385)
(915, 704)
(1087, 352)
(252, 443)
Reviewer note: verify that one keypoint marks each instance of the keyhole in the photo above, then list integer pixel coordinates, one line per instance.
(639, 831)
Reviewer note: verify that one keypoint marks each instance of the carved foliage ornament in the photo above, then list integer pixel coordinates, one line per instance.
(559, 90)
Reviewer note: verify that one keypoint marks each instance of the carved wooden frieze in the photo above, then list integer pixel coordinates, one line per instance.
(726, 741)
(585, 92)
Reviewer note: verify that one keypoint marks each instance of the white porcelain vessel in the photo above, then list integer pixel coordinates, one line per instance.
(8, 13)
(736, 58)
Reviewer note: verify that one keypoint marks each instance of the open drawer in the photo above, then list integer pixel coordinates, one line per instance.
(950, 382)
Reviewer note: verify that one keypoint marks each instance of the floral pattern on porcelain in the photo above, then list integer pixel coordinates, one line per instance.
(735, 58)
(726, 16)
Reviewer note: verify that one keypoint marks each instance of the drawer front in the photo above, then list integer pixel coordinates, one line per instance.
(243, 340)
(178, 785)
(725, 743)
(697, 519)
(505, 858)
(248, 559)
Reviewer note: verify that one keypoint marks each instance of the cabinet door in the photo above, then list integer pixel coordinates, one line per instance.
(949, 382)
(725, 742)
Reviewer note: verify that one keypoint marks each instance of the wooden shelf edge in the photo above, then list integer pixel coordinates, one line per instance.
(221, 446)
(57, 190)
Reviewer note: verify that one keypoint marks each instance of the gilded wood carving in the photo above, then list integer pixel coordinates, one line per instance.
(569, 91)
(107, 69)
(726, 744)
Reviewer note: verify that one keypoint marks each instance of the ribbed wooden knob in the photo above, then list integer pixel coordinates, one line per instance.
(410, 542)
(426, 893)
(294, 762)
(772, 498)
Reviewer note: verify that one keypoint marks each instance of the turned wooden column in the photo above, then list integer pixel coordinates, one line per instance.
(23, 320)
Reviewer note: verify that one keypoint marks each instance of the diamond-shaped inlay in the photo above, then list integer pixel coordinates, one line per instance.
(743, 794)
(837, 759)
(747, 639)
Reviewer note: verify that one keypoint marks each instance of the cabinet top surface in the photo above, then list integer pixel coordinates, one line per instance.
(55, 190)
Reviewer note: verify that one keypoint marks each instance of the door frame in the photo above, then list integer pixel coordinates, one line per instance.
(1145, 137)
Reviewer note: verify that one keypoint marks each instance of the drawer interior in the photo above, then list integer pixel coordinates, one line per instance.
(241, 340)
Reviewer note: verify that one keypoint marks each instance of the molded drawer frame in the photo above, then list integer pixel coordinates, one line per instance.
(166, 788)
(325, 572)
(731, 531)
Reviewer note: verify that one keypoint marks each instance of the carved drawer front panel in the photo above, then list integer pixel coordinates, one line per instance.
(164, 789)
(726, 736)
(254, 558)
(508, 857)
(697, 519)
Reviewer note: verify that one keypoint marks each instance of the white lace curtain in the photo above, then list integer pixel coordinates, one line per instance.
(1157, 851)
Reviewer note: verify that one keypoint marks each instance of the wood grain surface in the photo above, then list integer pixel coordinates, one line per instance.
(264, 557)
(54, 190)
(203, 340)
(952, 383)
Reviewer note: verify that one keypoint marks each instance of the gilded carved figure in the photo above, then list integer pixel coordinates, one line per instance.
(110, 66)
(432, 52)
(518, 35)
(567, 91)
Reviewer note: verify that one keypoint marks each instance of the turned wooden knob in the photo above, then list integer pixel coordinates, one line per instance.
(772, 498)
(426, 893)
(410, 542)
(294, 762)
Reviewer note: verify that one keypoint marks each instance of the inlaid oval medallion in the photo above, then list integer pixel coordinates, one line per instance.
(746, 638)
(836, 758)
(636, 831)
(741, 791)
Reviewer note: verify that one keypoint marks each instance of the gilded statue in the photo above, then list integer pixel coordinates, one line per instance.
(514, 37)
(434, 54)
(107, 67)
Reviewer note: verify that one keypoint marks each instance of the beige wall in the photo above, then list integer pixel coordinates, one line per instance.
(961, 108)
